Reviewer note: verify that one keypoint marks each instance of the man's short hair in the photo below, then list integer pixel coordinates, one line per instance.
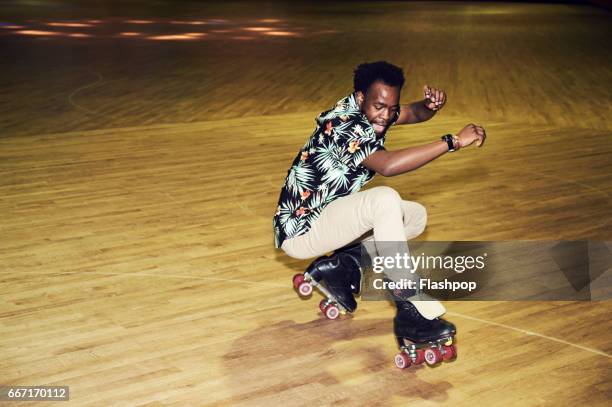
(366, 74)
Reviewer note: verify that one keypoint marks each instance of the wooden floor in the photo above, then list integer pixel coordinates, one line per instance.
(136, 260)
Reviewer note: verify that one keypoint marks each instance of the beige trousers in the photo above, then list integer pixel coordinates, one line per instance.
(379, 210)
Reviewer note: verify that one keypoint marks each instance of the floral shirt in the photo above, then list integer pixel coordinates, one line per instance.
(327, 167)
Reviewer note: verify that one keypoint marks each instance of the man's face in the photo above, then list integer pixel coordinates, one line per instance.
(380, 104)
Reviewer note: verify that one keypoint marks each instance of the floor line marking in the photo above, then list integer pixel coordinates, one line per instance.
(531, 333)
(71, 101)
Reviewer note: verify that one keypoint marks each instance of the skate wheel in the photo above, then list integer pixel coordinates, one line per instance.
(322, 305)
(402, 361)
(450, 352)
(420, 357)
(305, 289)
(331, 312)
(297, 280)
(433, 356)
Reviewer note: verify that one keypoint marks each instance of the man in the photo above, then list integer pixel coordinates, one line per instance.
(322, 209)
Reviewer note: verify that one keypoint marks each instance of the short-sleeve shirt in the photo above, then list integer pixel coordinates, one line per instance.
(327, 167)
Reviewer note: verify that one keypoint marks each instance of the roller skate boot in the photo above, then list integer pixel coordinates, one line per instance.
(421, 339)
(337, 277)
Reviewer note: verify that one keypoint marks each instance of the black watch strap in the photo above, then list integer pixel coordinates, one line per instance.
(449, 140)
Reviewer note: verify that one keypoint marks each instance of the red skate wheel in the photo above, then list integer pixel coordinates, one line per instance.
(331, 312)
(305, 289)
(450, 352)
(298, 279)
(402, 361)
(322, 305)
(433, 356)
(420, 357)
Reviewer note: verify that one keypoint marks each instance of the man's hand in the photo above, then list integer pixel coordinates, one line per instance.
(422, 110)
(469, 134)
(434, 98)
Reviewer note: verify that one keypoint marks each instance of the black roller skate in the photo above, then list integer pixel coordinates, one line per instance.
(420, 339)
(337, 277)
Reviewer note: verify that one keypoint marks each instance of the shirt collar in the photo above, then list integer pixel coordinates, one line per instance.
(347, 108)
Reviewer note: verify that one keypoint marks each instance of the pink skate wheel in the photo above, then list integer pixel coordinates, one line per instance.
(305, 289)
(433, 356)
(297, 280)
(402, 361)
(420, 357)
(331, 312)
(450, 352)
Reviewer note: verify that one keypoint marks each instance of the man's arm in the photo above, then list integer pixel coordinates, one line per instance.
(415, 112)
(390, 163)
(422, 110)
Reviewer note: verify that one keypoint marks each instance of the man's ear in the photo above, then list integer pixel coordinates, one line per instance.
(360, 98)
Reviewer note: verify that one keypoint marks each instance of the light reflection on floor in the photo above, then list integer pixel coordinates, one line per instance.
(160, 30)
(69, 25)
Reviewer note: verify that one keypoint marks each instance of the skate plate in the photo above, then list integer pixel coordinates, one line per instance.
(329, 306)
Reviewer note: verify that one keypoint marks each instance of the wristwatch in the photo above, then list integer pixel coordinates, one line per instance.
(450, 140)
